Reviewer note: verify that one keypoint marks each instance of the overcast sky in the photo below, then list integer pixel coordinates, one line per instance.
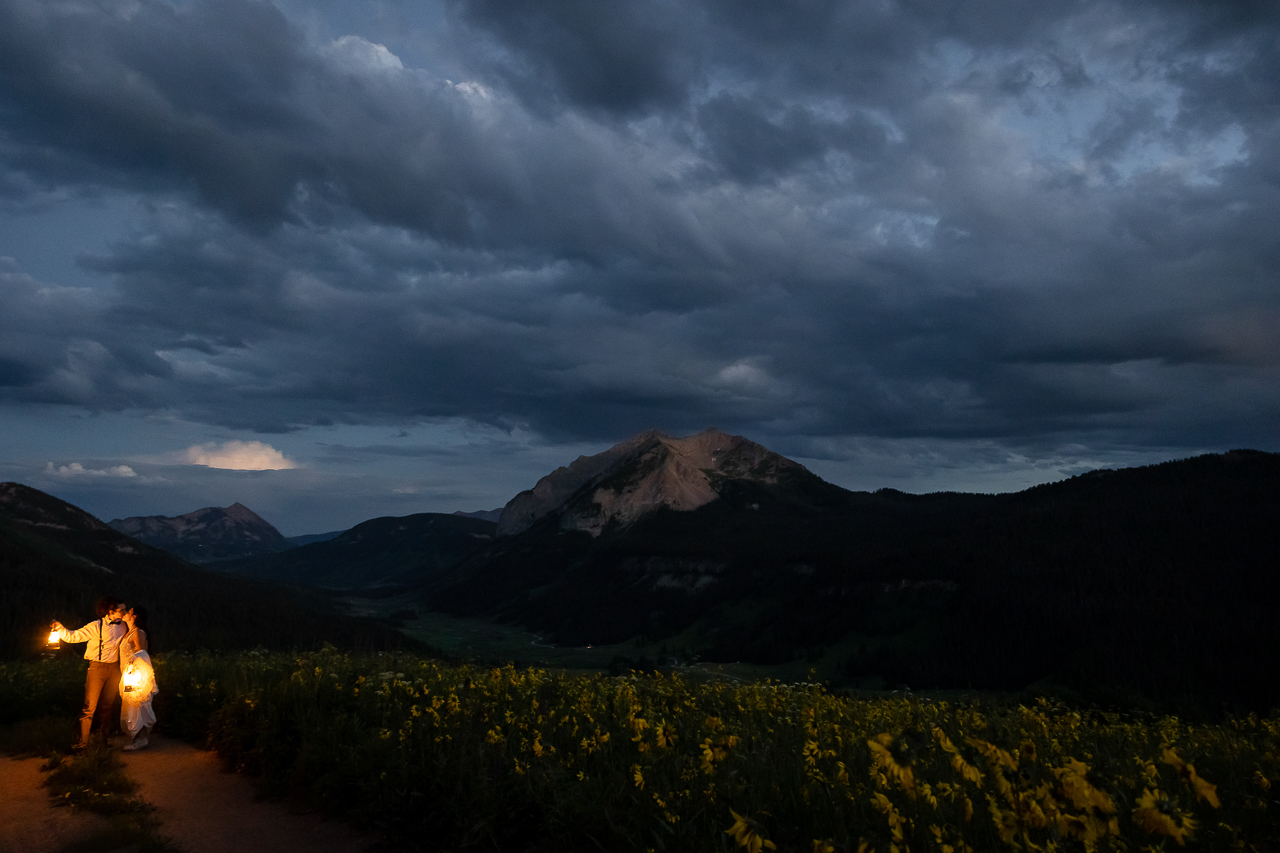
(338, 260)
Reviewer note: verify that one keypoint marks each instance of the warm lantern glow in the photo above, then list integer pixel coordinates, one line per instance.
(54, 642)
(132, 679)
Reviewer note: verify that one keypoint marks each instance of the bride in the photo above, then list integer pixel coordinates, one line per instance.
(137, 681)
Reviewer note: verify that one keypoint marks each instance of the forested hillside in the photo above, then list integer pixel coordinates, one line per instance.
(382, 552)
(1146, 582)
(56, 561)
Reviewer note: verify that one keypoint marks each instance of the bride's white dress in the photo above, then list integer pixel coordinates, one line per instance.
(137, 686)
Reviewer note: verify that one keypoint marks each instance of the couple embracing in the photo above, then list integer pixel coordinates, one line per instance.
(119, 665)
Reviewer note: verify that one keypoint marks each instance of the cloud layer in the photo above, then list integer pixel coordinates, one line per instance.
(820, 224)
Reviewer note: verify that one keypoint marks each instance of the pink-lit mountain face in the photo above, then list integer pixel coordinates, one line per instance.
(208, 534)
(640, 475)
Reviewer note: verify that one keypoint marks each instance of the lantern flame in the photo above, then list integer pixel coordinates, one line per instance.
(54, 642)
(132, 679)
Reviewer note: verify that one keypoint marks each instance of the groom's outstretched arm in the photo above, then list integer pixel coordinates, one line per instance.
(88, 632)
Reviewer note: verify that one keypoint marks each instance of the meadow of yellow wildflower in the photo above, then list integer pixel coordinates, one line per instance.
(443, 756)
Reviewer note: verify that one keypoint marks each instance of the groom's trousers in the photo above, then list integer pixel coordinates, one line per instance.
(101, 688)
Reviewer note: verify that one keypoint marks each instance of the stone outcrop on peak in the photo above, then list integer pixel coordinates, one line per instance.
(647, 472)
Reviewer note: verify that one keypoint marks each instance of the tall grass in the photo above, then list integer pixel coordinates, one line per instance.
(442, 756)
(52, 687)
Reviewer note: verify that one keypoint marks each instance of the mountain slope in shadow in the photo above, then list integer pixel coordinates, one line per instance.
(57, 560)
(381, 552)
(1157, 581)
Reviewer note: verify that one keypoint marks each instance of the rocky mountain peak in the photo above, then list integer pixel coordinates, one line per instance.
(204, 535)
(240, 512)
(640, 475)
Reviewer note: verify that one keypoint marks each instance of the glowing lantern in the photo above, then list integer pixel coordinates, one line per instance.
(54, 641)
(133, 678)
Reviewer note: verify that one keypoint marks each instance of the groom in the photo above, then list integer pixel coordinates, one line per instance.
(102, 684)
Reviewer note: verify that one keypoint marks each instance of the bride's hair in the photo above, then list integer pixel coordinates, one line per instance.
(140, 622)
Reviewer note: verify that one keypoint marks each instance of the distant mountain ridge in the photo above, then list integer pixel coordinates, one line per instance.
(56, 561)
(382, 552)
(309, 538)
(645, 473)
(486, 514)
(206, 535)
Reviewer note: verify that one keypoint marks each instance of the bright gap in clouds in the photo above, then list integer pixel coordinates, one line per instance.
(238, 456)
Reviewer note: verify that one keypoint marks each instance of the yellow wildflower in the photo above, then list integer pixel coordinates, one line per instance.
(1204, 790)
(966, 770)
(746, 833)
(895, 766)
(940, 839)
(638, 725)
(712, 754)
(896, 821)
(1087, 828)
(811, 754)
(1079, 791)
(1006, 821)
(994, 754)
(1158, 814)
(927, 792)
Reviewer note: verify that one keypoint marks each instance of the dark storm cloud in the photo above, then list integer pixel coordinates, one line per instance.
(611, 56)
(224, 99)
(753, 145)
(811, 219)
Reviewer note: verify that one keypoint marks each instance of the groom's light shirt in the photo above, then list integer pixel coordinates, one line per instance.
(101, 638)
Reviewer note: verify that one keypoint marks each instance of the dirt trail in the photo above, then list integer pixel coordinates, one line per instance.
(28, 822)
(206, 810)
